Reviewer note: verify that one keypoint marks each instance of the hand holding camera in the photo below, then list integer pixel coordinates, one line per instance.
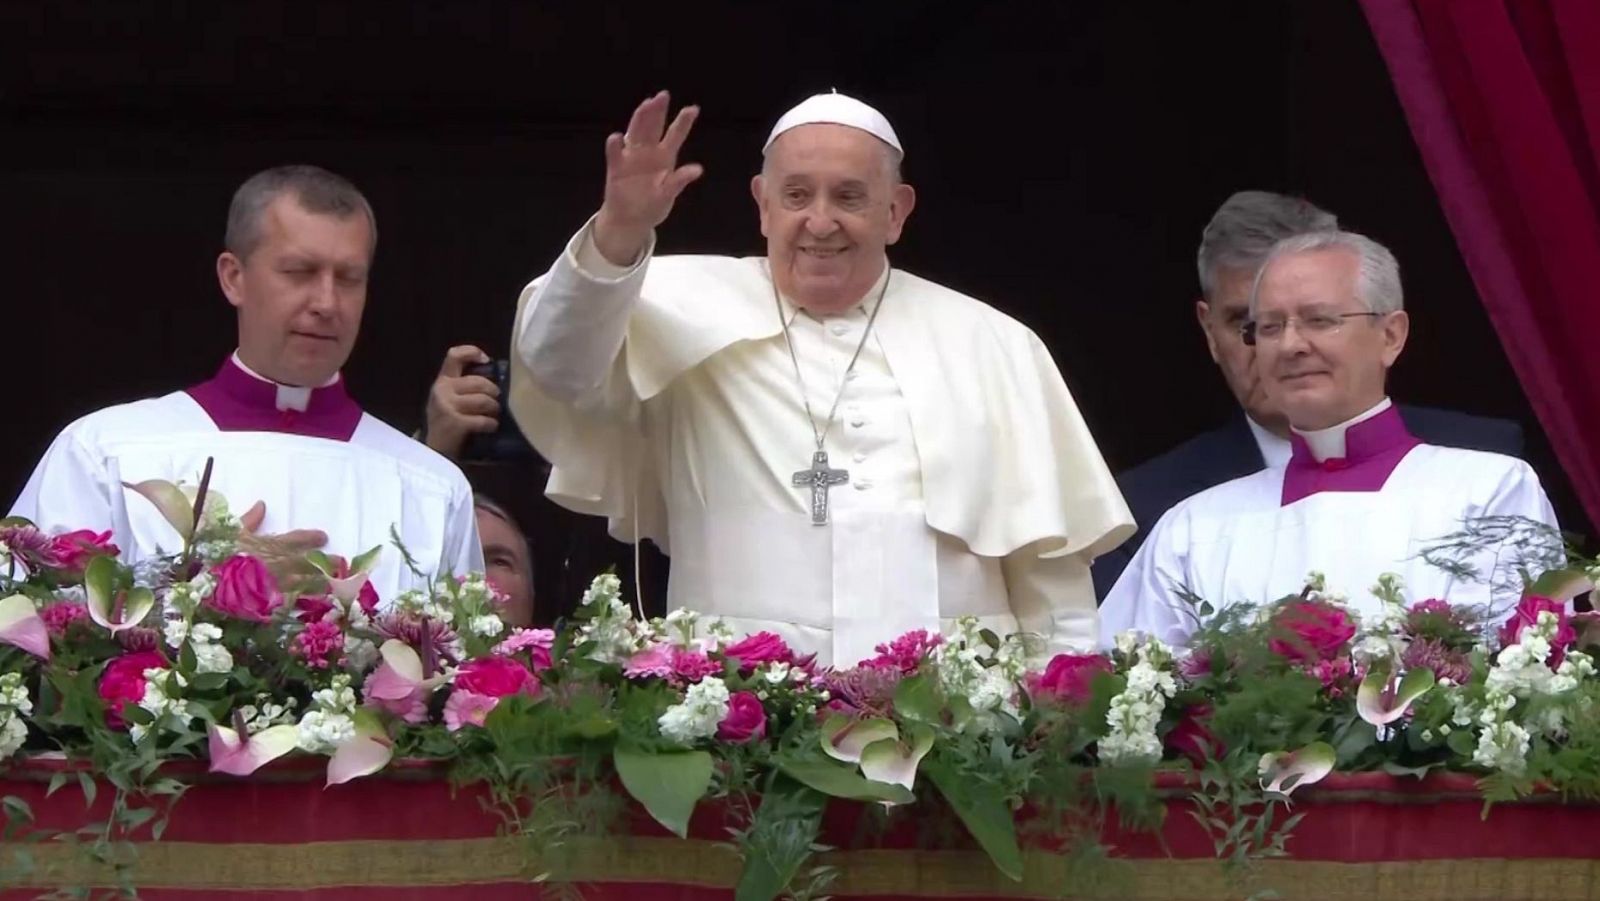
(464, 401)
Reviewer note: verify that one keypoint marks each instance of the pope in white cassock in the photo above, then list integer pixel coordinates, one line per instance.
(1359, 496)
(285, 435)
(827, 446)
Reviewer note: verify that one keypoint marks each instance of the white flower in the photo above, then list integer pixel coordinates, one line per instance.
(359, 653)
(14, 695)
(487, 625)
(12, 733)
(1136, 711)
(777, 673)
(174, 631)
(704, 707)
(320, 732)
(719, 633)
(1427, 735)
(212, 658)
(1503, 746)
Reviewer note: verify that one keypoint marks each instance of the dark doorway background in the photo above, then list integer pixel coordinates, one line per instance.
(1066, 156)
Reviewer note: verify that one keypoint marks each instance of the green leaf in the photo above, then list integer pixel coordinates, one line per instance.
(1461, 742)
(841, 781)
(668, 784)
(1357, 738)
(780, 839)
(983, 811)
(917, 699)
(86, 784)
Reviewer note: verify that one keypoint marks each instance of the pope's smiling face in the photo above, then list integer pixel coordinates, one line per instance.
(830, 200)
(300, 292)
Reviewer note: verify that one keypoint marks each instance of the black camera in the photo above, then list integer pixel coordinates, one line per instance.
(505, 443)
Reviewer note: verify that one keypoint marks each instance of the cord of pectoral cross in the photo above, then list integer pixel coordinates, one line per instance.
(821, 435)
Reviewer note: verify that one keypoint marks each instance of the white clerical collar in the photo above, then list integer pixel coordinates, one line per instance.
(1328, 443)
(863, 307)
(290, 397)
(1275, 451)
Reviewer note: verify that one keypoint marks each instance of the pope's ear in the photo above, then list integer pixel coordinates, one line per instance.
(901, 203)
(758, 191)
(230, 275)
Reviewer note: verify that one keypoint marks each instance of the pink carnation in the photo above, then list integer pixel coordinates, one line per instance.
(758, 649)
(537, 642)
(692, 666)
(1334, 674)
(246, 589)
(746, 720)
(74, 550)
(122, 683)
(906, 652)
(466, 708)
(320, 644)
(60, 616)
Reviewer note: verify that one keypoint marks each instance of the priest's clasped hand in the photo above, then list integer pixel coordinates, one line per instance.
(284, 554)
(643, 178)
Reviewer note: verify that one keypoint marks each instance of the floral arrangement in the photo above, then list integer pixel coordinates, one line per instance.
(223, 652)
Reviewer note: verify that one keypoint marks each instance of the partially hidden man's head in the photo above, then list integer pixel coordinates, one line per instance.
(1328, 321)
(508, 559)
(298, 250)
(831, 200)
(1233, 246)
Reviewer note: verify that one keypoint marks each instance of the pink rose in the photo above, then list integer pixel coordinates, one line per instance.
(312, 610)
(1527, 614)
(465, 708)
(246, 589)
(746, 720)
(74, 550)
(496, 677)
(760, 648)
(1310, 631)
(123, 683)
(1069, 677)
(1192, 739)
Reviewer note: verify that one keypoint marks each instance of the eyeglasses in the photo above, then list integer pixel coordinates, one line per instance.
(1315, 325)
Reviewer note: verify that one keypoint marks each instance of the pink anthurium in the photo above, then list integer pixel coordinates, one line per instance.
(894, 761)
(844, 738)
(345, 579)
(398, 684)
(1382, 698)
(109, 608)
(238, 753)
(21, 626)
(176, 507)
(364, 753)
(1286, 771)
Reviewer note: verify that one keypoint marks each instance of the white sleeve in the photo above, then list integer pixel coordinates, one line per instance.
(572, 328)
(1144, 597)
(463, 549)
(1052, 597)
(72, 488)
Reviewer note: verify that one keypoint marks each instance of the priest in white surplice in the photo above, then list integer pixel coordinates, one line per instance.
(827, 446)
(1359, 496)
(284, 433)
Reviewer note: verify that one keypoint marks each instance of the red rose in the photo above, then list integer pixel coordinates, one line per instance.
(1192, 739)
(762, 647)
(246, 589)
(1309, 631)
(1070, 677)
(1527, 614)
(496, 677)
(746, 719)
(122, 683)
(74, 550)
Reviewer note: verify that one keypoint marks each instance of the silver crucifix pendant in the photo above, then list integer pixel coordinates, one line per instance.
(819, 478)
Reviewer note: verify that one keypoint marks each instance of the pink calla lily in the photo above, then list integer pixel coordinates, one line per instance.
(175, 506)
(21, 626)
(241, 756)
(109, 609)
(1286, 771)
(1382, 699)
(894, 761)
(365, 753)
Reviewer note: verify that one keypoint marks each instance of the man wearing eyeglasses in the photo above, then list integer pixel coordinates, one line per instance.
(1235, 242)
(1360, 495)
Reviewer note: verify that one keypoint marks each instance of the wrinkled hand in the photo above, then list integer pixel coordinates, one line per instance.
(643, 178)
(460, 405)
(285, 554)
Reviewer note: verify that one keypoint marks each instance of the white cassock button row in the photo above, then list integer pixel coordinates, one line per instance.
(863, 484)
(859, 456)
(858, 422)
(839, 328)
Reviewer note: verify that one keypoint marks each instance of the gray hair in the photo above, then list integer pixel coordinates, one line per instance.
(1244, 229)
(316, 190)
(1377, 271)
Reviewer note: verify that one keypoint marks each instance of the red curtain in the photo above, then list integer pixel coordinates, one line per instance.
(1503, 98)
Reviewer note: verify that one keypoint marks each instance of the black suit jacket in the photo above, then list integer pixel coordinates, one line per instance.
(1211, 458)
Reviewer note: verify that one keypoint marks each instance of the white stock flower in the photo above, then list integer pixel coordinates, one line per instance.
(12, 733)
(359, 653)
(1503, 746)
(1136, 711)
(320, 732)
(704, 707)
(487, 625)
(174, 632)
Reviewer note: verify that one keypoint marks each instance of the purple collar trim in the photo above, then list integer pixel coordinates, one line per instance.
(1372, 448)
(239, 402)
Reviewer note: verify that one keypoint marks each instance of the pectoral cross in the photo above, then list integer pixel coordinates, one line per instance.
(819, 478)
